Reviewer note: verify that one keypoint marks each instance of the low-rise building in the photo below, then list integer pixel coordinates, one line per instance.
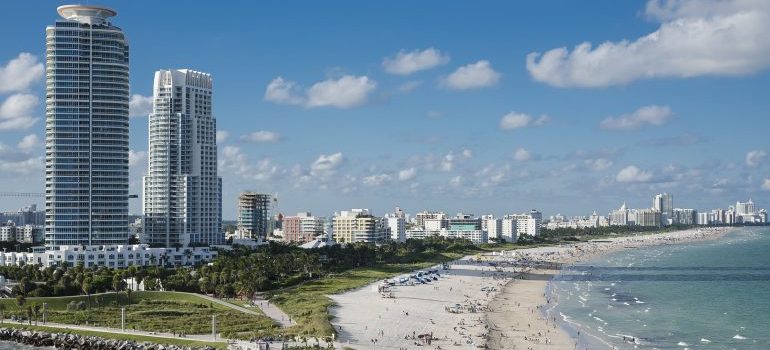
(113, 256)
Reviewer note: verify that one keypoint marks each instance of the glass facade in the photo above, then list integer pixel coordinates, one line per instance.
(86, 130)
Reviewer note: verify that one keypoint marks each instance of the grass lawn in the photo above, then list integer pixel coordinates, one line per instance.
(120, 336)
(308, 303)
(151, 311)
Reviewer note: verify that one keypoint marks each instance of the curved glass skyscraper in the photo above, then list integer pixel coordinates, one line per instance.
(86, 129)
(182, 191)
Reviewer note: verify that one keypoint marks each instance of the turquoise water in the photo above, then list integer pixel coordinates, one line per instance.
(703, 295)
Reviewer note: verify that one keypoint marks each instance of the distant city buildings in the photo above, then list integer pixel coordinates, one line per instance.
(254, 215)
(664, 204)
(302, 228)
(396, 223)
(358, 225)
(182, 190)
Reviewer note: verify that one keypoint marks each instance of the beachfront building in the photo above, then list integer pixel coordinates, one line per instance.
(302, 228)
(358, 225)
(86, 178)
(396, 223)
(685, 216)
(526, 224)
(493, 226)
(473, 235)
(435, 217)
(254, 215)
(619, 217)
(648, 218)
(508, 229)
(705, 219)
(664, 203)
(115, 256)
(182, 190)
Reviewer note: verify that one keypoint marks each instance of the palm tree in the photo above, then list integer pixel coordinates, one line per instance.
(2, 313)
(36, 311)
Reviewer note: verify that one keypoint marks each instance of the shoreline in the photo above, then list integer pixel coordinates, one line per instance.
(533, 294)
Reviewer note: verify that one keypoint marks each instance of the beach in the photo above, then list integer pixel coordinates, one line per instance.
(495, 301)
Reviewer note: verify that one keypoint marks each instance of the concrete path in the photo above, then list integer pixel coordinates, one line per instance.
(199, 337)
(268, 309)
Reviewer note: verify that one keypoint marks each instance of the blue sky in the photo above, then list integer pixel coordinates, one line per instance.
(491, 107)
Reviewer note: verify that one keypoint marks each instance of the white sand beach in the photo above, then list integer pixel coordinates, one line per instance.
(475, 304)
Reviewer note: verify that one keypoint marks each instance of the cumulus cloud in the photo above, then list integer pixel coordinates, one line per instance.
(139, 106)
(405, 63)
(19, 73)
(695, 38)
(345, 92)
(29, 142)
(262, 136)
(766, 185)
(283, 91)
(632, 173)
(515, 120)
(327, 164)
(472, 76)
(16, 112)
(450, 159)
(377, 180)
(136, 158)
(755, 157)
(598, 164)
(22, 167)
(522, 155)
(222, 136)
(407, 174)
(645, 116)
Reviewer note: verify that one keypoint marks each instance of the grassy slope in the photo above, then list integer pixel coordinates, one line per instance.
(152, 311)
(120, 336)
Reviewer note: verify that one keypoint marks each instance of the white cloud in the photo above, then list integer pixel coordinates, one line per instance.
(139, 106)
(598, 164)
(377, 180)
(633, 174)
(222, 136)
(695, 38)
(345, 92)
(409, 86)
(262, 136)
(22, 167)
(136, 158)
(645, 116)
(29, 142)
(265, 170)
(515, 120)
(407, 174)
(448, 162)
(283, 91)
(405, 63)
(472, 76)
(16, 111)
(456, 181)
(327, 164)
(766, 185)
(522, 155)
(20, 73)
(755, 157)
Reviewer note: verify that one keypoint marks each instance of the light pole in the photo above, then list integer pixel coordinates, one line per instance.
(123, 319)
(214, 327)
(45, 308)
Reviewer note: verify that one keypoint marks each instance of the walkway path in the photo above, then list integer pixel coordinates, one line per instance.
(268, 309)
(199, 337)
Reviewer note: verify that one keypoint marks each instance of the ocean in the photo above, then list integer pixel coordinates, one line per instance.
(700, 295)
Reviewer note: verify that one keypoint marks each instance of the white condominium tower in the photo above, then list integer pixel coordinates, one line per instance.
(182, 192)
(86, 130)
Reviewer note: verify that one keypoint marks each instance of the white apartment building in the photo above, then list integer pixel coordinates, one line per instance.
(120, 256)
(493, 226)
(182, 190)
(396, 227)
(509, 229)
(475, 236)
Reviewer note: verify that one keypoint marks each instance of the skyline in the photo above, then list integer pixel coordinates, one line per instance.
(285, 125)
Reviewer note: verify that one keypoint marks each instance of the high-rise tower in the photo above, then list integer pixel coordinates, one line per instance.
(182, 191)
(86, 151)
